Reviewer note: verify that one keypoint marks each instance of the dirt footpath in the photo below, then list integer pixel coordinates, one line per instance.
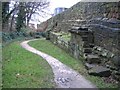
(64, 76)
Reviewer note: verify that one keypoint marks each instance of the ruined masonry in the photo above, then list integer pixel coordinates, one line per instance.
(90, 30)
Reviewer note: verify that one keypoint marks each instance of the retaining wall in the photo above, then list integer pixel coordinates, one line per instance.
(102, 17)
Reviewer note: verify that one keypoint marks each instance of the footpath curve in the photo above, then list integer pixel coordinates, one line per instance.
(64, 76)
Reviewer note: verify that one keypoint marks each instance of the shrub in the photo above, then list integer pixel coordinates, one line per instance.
(43, 34)
(12, 35)
(31, 33)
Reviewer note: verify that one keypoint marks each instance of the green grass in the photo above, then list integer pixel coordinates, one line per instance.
(65, 36)
(23, 69)
(0, 66)
(49, 48)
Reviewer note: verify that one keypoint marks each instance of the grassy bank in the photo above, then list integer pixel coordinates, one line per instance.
(0, 66)
(49, 48)
(23, 69)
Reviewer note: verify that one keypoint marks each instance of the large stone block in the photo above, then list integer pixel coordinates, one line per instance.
(93, 58)
(87, 50)
(90, 66)
(116, 60)
(100, 71)
(83, 33)
(110, 55)
(116, 75)
(85, 38)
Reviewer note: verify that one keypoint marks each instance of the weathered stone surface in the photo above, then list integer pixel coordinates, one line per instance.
(93, 59)
(116, 75)
(112, 67)
(91, 45)
(116, 60)
(90, 66)
(100, 71)
(110, 55)
(83, 32)
(85, 44)
(85, 56)
(85, 38)
(87, 50)
(75, 28)
(95, 50)
(99, 48)
(104, 53)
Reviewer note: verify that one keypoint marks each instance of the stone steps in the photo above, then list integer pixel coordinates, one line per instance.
(91, 58)
(90, 66)
(100, 71)
(87, 50)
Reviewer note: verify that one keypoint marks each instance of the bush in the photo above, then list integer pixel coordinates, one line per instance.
(25, 34)
(20, 33)
(43, 34)
(4, 37)
(9, 37)
(31, 34)
(12, 35)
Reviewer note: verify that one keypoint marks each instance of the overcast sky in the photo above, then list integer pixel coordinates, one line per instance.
(54, 4)
(62, 3)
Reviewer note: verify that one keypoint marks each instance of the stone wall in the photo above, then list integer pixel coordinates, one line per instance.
(101, 17)
(106, 34)
(100, 45)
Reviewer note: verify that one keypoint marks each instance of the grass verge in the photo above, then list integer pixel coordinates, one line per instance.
(49, 48)
(23, 69)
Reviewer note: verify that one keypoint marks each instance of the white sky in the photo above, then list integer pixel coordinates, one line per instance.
(57, 3)
(62, 3)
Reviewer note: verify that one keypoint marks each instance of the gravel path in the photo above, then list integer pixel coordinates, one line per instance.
(64, 76)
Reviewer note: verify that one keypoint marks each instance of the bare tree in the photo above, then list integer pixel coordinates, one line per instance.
(35, 8)
(24, 12)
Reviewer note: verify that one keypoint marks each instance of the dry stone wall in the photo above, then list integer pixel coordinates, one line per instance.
(101, 46)
(101, 17)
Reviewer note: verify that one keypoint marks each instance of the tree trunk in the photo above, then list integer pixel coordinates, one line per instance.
(11, 24)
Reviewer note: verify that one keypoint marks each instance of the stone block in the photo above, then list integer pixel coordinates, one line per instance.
(111, 67)
(91, 45)
(87, 50)
(83, 28)
(104, 53)
(116, 75)
(93, 58)
(110, 55)
(85, 38)
(99, 49)
(116, 60)
(100, 71)
(75, 28)
(89, 66)
(85, 44)
(83, 33)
